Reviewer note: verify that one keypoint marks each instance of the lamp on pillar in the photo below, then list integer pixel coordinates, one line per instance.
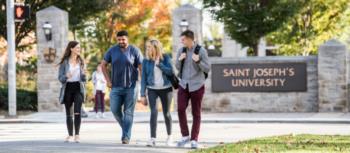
(184, 25)
(47, 27)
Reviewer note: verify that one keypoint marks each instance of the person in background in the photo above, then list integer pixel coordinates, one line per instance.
(100, 84)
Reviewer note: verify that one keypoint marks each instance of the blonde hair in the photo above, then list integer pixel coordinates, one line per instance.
(156, 49)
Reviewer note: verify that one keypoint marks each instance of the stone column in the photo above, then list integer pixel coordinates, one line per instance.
(230, 48)
(332, 75)
(48, 84)
(262, 47)
(194, 18)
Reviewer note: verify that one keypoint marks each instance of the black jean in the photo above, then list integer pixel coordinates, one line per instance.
(165, 96)
(73, 101)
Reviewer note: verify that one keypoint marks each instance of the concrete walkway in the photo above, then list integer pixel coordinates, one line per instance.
(143, 117)
(105, 137)
(44, 132)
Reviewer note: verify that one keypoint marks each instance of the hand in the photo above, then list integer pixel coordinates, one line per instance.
(109, 84)
(143, 101)
(69, 75)
(157, 61)
(195, 57)
(182, 56)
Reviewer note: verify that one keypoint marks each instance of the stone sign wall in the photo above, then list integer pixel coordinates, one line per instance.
(326, 81)
(278, 101)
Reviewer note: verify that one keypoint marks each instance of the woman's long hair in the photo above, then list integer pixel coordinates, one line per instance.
(157, 50)
(68, 52)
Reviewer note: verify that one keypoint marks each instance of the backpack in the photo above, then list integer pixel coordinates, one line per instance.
(196, 51)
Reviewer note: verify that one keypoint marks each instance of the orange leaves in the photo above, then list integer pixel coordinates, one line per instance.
(142, 19)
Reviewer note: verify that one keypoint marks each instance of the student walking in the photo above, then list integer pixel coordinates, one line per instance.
(126, 62)
(155, 71)
(193, 65)
(100, 84)
(72, 77)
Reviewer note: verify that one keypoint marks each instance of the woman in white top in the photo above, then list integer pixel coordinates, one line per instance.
(72, 77)
(155, 71)
(100, 84)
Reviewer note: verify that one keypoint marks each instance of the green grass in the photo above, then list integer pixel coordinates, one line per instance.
(286, 144)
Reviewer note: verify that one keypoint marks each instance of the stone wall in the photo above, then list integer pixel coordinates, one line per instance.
(265, 101)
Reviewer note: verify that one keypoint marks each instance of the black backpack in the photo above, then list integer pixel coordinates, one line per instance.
(196, 51)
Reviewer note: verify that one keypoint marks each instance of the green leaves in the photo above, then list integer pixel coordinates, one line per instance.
(249, 20)
(317, 22)
(79, 11)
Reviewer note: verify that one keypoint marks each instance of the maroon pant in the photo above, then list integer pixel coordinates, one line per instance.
(183, 97)
(99, 100)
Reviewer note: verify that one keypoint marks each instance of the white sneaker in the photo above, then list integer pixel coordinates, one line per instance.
(194, 144)
(151, 142)
(96, 116)
(169, 141)
(183, 141)
(103, 115)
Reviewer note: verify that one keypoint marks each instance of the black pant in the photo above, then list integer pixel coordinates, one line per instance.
(165, 96)
(73, 96)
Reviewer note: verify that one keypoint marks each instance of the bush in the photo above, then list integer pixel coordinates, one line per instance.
(26, 100)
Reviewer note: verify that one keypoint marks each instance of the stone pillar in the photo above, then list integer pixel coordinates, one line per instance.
(194, 18)
(262, 47)
(230, 48)
(332, 75)
(48, 84)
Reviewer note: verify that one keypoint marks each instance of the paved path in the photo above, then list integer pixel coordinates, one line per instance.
(104, 136)
(143, 117)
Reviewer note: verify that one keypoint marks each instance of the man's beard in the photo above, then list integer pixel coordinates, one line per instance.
(122, 45)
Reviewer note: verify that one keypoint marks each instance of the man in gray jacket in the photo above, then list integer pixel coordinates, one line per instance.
(193, 64)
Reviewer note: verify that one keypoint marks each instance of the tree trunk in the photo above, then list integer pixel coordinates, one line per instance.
(74, 35)
(255, 49)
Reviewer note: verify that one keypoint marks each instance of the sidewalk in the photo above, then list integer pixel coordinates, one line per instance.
(143, 117)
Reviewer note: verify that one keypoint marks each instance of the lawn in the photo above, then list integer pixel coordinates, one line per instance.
(286, 144)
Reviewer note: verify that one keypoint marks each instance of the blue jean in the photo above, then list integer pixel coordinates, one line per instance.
(126, 96)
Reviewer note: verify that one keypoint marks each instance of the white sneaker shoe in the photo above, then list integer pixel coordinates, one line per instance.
(103, 115)
(169, 141)
(96, 116)
(99, 115)
(151, 142)
(194, 144)
(183, 141)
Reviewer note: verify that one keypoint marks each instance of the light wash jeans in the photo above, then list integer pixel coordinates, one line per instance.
(123, 98)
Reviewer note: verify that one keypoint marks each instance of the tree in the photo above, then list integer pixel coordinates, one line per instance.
(78, 11)
(246, 21)
(317, 22)
(143, 20)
